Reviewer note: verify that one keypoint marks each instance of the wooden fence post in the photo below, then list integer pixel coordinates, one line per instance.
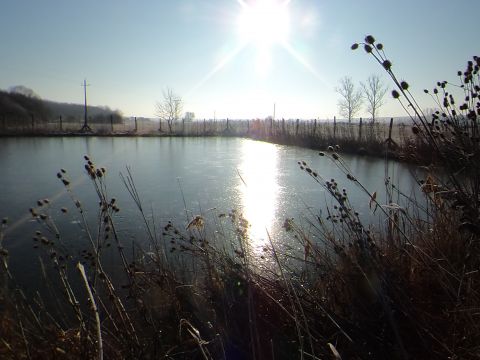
(334, 127)
(248, 127)
(227, 129)
(33, 121)
(136, 124)
(204, 127)
(390, 129)
(283, 126)
(61, 123)
(360, 130)
(296, 127)
(314, 127)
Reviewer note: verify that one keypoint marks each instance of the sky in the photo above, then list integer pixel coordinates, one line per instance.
(234, 59)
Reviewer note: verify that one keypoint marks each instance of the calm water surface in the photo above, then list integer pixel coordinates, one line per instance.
(208, 175)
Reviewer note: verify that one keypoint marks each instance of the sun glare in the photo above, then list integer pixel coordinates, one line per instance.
(264, 22)
(259, 188)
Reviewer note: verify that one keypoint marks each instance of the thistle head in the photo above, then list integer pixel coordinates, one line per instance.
(369, 39)
(404, 85)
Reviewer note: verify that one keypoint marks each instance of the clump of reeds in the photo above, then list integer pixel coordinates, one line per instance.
(449, 137)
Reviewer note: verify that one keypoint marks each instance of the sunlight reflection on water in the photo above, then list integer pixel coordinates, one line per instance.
(259, 189)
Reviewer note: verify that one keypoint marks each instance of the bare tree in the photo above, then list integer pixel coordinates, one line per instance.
(170, 108)
(374, 91)
(351, 99)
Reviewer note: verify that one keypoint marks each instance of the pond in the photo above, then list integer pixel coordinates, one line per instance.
(176, 178)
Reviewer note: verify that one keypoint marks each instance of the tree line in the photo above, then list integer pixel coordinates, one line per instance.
(21, 105)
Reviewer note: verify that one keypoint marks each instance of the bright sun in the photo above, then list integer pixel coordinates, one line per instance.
(264, 22)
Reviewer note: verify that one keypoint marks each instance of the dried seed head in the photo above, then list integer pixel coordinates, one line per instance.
(395, 94)
(367, 48)
(380, 46)
(387, 64)
(404, 85)
(354, 46)
(369, 39)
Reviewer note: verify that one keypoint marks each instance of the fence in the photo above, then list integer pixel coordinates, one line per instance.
(333, 131)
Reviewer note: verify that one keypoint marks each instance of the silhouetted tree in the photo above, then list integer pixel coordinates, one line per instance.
(351, 99)
(170, 108)
(374, 91)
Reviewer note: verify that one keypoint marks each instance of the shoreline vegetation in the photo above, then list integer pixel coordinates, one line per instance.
(407, 289)
(358, 137)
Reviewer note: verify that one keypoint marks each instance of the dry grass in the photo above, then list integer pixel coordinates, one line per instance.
(406, 290)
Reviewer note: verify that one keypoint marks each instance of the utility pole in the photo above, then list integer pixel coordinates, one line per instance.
(85, 127)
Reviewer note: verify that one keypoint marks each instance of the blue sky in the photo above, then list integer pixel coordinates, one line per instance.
(130, 51)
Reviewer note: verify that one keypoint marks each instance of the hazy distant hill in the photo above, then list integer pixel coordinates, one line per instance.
(96, 114)
(18, 108)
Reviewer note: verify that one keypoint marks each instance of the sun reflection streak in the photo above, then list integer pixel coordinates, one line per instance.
(259, 189)
(297, 56)
(224, 61)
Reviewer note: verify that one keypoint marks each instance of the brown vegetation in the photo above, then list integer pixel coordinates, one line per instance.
(407, 290)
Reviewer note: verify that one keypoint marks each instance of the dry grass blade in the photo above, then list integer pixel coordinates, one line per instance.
(195, 334)
(81, 268)
(336, 354)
